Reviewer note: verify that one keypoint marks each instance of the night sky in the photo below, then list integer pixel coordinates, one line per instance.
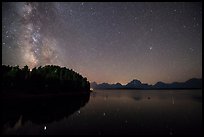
(106, 42)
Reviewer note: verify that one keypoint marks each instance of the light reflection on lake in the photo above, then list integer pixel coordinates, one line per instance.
(170, 112)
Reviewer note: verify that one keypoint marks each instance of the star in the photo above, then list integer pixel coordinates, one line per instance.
(191, 49)
(104, 41)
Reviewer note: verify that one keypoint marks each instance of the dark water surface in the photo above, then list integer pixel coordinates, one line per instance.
(169, 112)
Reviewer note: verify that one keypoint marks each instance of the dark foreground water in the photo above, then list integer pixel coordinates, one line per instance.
(169, 112)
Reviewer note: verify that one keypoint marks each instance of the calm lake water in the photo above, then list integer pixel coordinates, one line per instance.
(169, 112)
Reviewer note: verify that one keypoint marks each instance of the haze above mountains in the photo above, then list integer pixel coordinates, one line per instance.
(194, 83)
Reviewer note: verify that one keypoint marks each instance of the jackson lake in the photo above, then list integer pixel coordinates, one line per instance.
(165, 112)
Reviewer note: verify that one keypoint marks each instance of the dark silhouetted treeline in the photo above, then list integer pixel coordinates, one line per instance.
(49, 78)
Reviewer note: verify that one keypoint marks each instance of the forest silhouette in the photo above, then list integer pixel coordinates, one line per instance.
(46, 79)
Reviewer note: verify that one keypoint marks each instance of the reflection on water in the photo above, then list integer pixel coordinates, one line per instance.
(167, 112)
(40, 110)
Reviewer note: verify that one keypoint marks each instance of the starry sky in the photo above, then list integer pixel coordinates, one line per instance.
(106, 42)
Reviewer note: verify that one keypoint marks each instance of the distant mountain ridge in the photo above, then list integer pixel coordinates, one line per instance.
(194, 83)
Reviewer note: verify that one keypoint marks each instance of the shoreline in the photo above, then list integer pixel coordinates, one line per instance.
(148, 89)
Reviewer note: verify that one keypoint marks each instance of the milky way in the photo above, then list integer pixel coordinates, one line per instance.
(36, 47)
(106, 42)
